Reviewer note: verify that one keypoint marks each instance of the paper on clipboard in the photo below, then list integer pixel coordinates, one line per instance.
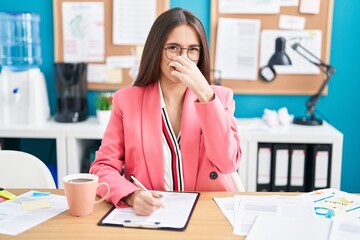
(179, 207)
(309, 39)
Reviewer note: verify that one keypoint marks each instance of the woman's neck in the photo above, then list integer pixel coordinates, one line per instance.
(173, 93)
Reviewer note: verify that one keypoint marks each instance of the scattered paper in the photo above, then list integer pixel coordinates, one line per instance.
(14, 220)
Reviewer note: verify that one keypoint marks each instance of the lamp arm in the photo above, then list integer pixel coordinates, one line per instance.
(325, 68)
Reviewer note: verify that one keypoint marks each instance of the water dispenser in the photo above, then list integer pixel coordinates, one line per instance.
(23, 92)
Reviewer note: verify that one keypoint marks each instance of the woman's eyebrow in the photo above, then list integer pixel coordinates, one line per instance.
(191, 45)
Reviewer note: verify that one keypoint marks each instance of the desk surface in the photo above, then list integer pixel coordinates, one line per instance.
(207, 222)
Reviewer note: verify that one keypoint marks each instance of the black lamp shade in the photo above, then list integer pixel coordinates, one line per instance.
(279, 57)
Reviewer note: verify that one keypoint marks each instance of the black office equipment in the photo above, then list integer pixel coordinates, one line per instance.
(319, 167)
(71, 86)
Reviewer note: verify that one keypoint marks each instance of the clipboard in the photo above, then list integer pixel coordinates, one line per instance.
(176, 215)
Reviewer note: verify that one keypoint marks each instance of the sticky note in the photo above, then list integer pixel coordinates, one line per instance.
(310, 6)
(36, 204)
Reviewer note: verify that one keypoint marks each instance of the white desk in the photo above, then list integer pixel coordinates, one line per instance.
(73, 139)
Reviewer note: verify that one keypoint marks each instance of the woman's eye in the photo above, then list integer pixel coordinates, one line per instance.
(194, 49)
(172, 47)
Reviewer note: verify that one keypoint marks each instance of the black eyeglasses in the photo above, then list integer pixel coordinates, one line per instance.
(194, 53)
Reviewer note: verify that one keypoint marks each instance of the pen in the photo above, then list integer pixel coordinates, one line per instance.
(143, 188)
(139, 184)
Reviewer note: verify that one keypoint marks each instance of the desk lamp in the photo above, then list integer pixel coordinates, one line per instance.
(268, 73)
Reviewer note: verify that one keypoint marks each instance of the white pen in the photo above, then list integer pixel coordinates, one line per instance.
(143, 188)
(139, 184)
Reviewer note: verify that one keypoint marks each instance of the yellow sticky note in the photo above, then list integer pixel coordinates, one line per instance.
(114, 75)
(36, 204)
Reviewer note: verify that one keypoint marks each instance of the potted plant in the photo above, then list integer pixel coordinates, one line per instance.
(103, 107)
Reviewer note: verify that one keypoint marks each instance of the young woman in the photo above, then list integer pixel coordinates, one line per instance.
(172, 130)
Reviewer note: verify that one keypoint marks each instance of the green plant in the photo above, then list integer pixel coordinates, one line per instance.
(104, 101)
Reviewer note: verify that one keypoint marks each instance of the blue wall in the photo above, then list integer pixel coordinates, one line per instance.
(341, 107)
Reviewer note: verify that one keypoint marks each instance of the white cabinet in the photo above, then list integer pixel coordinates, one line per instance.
(254, 131)
(73, 140)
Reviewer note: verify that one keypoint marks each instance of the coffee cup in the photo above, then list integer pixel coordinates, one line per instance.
(80, 191)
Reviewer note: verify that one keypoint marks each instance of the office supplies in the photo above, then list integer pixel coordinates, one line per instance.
(319, 166)
(139, 184)
(264, 167)
(12, 215)
(280, 167)
(6, 194)
(280, 57)
(180, 206)
(296, 84)
(297, 166)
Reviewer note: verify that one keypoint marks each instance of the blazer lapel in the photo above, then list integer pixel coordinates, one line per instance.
(152, 136)
(190, 140)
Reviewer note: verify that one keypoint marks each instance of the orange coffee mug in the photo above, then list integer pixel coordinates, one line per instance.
(80, 191)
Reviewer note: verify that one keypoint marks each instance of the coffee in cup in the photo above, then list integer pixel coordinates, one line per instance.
(80, 191)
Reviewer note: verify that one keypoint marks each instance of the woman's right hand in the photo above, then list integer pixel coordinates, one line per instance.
(143, 203)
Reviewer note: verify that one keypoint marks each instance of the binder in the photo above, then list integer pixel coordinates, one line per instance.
(264, 167)
(320, 166)
(179, 207)
(280, 168)
(297, 167)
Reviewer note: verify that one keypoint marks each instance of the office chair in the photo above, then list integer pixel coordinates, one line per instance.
(23, 170)
(237, 181)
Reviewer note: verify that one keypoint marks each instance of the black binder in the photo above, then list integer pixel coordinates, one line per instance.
(263, 177)
(319, 167)
(280, 168)
(297, 167)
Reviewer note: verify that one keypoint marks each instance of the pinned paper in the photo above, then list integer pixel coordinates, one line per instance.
(310, 6)
(291, 22)
(36, 204)
(114, 75)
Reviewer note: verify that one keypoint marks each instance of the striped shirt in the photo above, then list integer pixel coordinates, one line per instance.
(173, 170)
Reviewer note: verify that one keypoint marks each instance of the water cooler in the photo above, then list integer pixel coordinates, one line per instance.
(23, 92)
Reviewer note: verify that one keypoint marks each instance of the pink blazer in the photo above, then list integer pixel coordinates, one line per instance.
(210, 145)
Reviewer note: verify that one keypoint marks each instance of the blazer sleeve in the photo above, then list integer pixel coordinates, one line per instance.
(109, 159)
(219, 129)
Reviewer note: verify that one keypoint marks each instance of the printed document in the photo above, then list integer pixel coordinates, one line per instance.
(237, 48)
(14, 219)
(178, 207)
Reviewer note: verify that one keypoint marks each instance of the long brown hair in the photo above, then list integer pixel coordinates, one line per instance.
(149, 70)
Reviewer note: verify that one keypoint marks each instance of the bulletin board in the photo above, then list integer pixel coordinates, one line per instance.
(110, 48)
(283, 84)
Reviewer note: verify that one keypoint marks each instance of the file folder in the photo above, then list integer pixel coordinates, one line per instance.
(321, 166)
(280, 167)
(297, 166)
(264, 167)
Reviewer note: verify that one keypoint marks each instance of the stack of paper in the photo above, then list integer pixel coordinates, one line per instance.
(327, 214)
